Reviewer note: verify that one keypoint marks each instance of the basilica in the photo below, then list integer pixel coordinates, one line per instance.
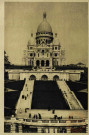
(44, 51)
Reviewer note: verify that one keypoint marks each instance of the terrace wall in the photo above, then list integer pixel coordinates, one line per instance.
(73, 75)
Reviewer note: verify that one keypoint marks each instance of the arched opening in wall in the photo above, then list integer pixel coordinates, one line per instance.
(42, 52)
(44, 78)
(47, 63)
(56, 78)
(32, 77)
(37, 63)
(42, 63)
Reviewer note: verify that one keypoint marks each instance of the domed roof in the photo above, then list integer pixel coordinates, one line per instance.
(44, 25)
(31, 41)
(56, 40)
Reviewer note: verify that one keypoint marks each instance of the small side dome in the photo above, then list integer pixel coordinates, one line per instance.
(32, 40)
(56, 40)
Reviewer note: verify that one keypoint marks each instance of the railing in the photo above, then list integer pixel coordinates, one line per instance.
(46, 120)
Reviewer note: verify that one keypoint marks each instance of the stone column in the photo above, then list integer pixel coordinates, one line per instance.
(39, 130)
(20, 128)
(50, 63)
(87, 128)
(50, 130)
(26, 61)
(40, 63)
(13, 127)
(86, 125)
(44, 63)
(34, 62)
(68, 128)
(55, 130)
(46, 130)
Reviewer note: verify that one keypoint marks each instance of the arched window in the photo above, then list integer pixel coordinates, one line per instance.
(56, 77)
(43, 52)
(44, 77)
(47, 63)
(37, 63)
(32, 77)
(55, 54)
(50, 54)
(42, 63)
(30, 54)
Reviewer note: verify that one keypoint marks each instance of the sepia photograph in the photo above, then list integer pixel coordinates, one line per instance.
(46, 67)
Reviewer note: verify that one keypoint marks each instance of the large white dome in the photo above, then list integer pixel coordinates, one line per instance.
(44, 26)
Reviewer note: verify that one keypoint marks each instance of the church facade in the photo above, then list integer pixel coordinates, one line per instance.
(44, 51)
(43, 54)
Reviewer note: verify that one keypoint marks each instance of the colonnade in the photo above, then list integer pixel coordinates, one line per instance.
(43, 63)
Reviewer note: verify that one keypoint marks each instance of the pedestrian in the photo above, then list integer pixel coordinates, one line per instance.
(29, 115)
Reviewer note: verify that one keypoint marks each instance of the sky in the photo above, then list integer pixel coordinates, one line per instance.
(68, 19)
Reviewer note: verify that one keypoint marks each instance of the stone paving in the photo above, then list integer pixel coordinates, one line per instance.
(25, 98)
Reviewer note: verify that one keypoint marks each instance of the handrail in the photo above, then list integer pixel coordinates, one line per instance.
(48, 123)
(53, 119)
